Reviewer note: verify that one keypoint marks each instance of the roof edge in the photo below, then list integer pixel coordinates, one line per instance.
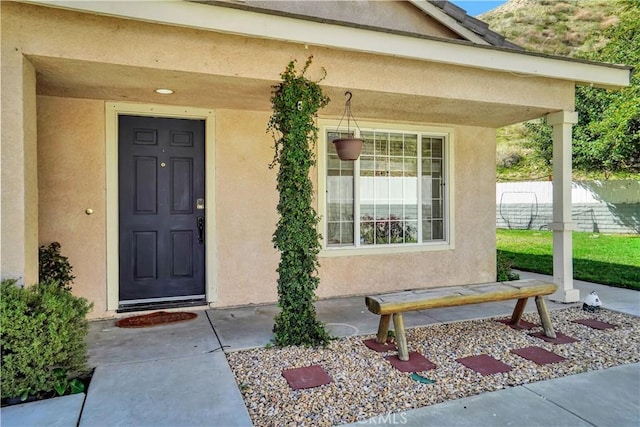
(448, 21)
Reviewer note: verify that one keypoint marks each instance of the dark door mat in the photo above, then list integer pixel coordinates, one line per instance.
(523, 324)
(484, 364)
(380, 348)
(416, 363)
(307, 377)
(155, 319)
(538, 355)
(595, 324)
(559, 339)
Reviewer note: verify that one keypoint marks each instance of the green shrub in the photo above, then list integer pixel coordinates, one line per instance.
(504, 265)
(42, 332)
(54, 267)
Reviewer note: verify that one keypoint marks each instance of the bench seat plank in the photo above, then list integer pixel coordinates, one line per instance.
(394, 304)
(458, 295)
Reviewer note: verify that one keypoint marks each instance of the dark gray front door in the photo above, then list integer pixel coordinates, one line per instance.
(161, 209)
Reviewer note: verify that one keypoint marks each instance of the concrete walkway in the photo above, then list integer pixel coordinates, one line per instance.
(177, 375)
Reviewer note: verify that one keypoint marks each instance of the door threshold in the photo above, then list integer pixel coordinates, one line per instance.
(160, 305)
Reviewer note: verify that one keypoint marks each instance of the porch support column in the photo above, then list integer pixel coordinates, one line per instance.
(19, 177)
(562, 226)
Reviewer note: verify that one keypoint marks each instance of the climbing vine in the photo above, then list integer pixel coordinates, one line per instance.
(296, 101)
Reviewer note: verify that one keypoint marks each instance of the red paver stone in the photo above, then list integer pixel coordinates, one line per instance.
(559, 339)
(538, 355)
(380, 348)
(523, 324)
(484, 364)
(307, 377)
(595, 324)
(416, 363)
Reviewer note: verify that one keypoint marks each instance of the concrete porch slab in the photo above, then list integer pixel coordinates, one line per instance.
(195, 390)
(616, 299)
(243, 327)
(247, 327)
(109, 344)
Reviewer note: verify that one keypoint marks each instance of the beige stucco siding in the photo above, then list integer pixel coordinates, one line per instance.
(19, 252)
(55, 169)
(71, 179)
(394, 15)
(246, 214)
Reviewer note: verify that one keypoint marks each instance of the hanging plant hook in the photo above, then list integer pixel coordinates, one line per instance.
(349, 95)
(348, 114)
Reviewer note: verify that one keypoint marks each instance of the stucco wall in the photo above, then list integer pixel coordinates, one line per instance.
(71, 179)
(83, 60)
(400, 16)
(246, 214)
(18, 251)
(71, 172)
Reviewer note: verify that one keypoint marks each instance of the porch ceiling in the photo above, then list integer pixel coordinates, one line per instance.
(113, 82)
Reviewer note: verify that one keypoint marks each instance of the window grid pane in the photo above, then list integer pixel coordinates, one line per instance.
(432, 195)
(340, 200)
(388, 189)
(400, 190)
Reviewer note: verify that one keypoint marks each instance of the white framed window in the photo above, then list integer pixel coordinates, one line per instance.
(395, 197)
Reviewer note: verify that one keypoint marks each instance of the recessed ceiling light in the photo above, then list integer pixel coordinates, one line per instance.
(163, 91)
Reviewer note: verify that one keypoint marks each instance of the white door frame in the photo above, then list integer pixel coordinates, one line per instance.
(112, 111)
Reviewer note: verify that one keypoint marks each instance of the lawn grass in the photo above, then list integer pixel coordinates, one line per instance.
(609, 259)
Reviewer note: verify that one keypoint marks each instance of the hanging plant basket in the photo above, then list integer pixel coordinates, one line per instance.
(348, 148)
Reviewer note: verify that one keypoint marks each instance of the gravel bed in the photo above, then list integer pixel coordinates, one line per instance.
(365, 385)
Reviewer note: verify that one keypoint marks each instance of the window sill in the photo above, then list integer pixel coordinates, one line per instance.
(384, 250)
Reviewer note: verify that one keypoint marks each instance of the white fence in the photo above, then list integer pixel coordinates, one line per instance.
(598, 206)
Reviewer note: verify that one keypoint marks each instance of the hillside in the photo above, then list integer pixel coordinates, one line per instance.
(557, 27)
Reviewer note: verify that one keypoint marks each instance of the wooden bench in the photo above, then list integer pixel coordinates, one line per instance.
(395, 304)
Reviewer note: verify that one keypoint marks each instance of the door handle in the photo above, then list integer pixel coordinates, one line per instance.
(200, 224)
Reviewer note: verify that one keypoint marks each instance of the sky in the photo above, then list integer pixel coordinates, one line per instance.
(476, 7)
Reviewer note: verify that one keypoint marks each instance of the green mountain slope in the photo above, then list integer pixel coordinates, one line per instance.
(557, 27)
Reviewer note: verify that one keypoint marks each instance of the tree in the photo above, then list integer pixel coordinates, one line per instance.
(296, 101)
(607, 135)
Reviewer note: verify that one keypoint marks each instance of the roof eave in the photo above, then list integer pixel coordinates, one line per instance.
(346, 37)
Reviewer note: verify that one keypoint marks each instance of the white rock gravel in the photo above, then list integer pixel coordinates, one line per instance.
(365, 385)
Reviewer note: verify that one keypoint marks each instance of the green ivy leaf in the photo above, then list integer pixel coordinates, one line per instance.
(76, 386)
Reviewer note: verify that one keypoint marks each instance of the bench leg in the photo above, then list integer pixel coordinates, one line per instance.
(547, 326)
(517, 312)
(383, 328)
(401, 337)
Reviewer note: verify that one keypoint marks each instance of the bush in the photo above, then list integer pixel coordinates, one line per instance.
(504, 265)
(42, 334)
(54, 267)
